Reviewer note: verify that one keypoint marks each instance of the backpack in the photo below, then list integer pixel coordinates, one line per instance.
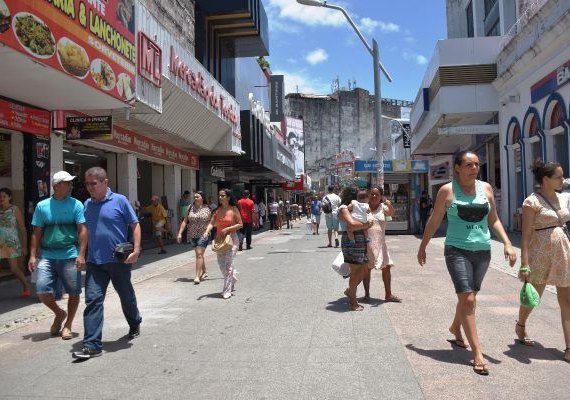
(326, 205)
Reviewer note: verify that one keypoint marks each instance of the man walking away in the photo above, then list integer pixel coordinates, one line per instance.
(288, 214)
(331, 217)
(273, 210)
(245, 207)
(315, 214)
(108, 217)
(158, 217)
(59, 232)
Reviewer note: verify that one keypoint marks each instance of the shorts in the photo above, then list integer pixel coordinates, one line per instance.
(332, 221)
(354, 253)
(158, 228)
(199, 242)
(50, 270)
(315, 219)
(467, 268)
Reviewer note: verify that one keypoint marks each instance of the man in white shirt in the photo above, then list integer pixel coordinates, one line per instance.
(331, 218)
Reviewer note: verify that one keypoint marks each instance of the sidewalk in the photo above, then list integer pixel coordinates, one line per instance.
(287, 334)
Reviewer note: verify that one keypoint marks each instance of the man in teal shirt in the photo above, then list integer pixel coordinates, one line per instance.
(60, 235)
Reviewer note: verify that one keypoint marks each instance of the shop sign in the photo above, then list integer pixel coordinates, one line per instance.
(297, 184)
(5, 156)
(218, 172)
(89, 127)
(402, 165)
(277, 88)
(344, 159)
(140, 144)
(283, 159)
(258, 112)
(406, 136)
(197, 81)
(488, 129)
(420, 166)
(150, 60)
(24, 118)
(551, 82)
(93, 41)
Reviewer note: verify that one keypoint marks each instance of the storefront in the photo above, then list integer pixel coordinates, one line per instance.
(403, 183)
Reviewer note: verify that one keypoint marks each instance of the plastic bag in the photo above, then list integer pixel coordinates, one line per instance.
(529, 296)
(340, 267)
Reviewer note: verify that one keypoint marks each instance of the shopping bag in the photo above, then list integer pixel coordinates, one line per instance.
(529, 296)
(340, 267)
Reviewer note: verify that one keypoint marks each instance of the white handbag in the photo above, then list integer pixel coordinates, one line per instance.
(340, 267)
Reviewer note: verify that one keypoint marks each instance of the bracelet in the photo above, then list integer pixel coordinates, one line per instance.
(524, 269)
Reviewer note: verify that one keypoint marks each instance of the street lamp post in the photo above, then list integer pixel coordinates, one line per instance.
(375, 52)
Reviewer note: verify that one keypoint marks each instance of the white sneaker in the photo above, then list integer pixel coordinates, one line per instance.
(227, 295)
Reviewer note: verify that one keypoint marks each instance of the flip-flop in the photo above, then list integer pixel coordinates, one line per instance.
(66, 334)
(393, 299)
(480, 368)
(358, 307)
(57, 323)
(459, 343)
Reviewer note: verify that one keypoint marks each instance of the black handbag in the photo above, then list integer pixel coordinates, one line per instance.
(123, 250)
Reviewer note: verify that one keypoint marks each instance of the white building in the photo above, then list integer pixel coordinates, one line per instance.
(533, 71)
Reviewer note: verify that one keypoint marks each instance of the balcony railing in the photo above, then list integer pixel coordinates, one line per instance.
(532, 6)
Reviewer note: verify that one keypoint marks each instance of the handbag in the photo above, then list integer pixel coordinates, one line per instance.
(340, 267)
(123, 250)
(529, 296)
(222, 245)
(563, 225)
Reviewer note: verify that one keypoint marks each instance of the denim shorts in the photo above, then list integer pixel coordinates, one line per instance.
(332, 221)
(200, 241)
(467, 268)
(50, 270)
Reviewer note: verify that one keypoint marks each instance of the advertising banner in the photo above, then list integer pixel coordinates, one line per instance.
(140, 144)
(89, 128)
(277, 88)
(5, 156)
(26, 119)
(93, 41)
(296, 142)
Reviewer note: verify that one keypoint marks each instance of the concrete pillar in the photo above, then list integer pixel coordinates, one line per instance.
(157, 180)
(17, 181)
(188, 180)
(56, 154)
(127, 179)
(172, 193)
(112, 171)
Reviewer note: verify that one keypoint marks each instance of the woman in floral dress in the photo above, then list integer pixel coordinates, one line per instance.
(545, 248)
(13, 238)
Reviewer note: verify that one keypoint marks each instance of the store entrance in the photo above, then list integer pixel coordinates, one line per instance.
(76, 160)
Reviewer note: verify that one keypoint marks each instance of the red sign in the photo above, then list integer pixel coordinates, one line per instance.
(92, 41)
(141, 144)
(150, 60)
(24, 118)
(297, 185)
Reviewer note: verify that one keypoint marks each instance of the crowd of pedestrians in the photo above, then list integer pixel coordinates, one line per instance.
(103, 238)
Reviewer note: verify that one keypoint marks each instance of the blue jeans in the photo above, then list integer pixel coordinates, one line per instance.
(96, 281)
(53, 274)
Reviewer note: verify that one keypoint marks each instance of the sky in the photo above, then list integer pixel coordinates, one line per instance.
(313, 46)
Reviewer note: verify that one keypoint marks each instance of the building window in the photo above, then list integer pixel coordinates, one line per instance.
(494, 30)
(489, 6)
(533, 130)
(557, 116)
(516, 134)
(469, 15)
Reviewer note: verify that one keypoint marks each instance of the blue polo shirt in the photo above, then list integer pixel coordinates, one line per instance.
(108, 223)
(58, 220)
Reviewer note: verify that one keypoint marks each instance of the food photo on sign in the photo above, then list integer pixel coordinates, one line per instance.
(91, 43)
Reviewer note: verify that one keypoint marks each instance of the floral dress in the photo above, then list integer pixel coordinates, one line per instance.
(377, 249)
(10, 246)
(549, 248)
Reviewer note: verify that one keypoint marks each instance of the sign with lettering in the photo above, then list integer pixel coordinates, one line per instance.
(24, 118)
(149, 60)
(406, 136)
(551, 82)
(93, 41)
(277, 90)
(218, 172)
(89, 128)
(140, 144)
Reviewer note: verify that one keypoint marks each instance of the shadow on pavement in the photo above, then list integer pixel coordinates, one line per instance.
(340, 305)
(451, 356)
(39, 336)
(216, 295)
(525, 354)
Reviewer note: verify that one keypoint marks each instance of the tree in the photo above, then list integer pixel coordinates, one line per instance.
(263, 63)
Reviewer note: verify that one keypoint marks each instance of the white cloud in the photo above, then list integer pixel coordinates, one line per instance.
(316, 56)
(307, 15)
(300, 81)
(369, 25)
(417, 58)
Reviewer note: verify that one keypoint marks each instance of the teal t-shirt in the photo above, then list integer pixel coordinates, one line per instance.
(58, 220)
(467, 226)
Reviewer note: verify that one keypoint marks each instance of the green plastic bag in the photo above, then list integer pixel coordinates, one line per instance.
(529, 296)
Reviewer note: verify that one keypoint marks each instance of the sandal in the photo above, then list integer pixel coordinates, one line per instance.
(393, 299)
(356, 307)
(523, 339)
(567, 359)
(480, 368)
(66, 334)
(458, 343)
(57, 323)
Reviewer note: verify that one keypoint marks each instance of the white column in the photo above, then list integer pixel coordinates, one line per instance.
(17, 155)
(158, 180)
(172, 192)
(508, 203)
(127, 178)
(112, 171)
(188, 180)
(56, 154)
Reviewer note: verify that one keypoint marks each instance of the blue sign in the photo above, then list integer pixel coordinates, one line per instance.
(417, 166)
(420, 166)
(388, 166)
(365, 166)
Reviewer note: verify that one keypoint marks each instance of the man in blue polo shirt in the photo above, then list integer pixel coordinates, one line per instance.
(108, 216)
(59, 237)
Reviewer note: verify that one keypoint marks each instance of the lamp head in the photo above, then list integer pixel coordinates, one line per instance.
(314, 3)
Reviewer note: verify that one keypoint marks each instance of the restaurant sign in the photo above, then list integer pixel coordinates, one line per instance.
(89, 127)
(93, 41)
(140, 144)
(22, 118)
